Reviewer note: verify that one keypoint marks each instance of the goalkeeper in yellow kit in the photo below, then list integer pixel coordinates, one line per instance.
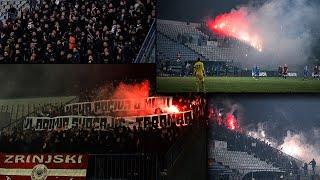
(199, 72)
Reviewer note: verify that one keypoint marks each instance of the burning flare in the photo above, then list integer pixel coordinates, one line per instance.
(172, 109)
(236, 24)
(231, 121)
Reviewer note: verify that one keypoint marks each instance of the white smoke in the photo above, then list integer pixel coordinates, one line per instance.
(234, 108)
(298, 145)
(302, 146)
(288, 29)
(262, 135)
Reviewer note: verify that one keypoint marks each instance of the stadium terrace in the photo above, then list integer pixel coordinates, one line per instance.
(75, 31)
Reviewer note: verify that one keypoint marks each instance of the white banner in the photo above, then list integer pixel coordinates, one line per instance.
(292, 74)
(315, 75)
(261, 74)
(43, 166)
(116, 105)
(106, 122)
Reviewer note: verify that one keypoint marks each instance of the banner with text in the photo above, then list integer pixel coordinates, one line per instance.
(106, 122)
(116, 105)
(43, 166)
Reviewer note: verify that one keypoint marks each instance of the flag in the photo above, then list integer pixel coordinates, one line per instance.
(43, 166)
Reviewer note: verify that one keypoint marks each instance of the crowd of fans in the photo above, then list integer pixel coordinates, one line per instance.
(76, 31)
(120, 139)
(196, 103)
(117, 140)
(238, 141)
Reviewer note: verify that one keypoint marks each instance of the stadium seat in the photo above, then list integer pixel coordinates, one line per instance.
(173, 29)
(241, 161)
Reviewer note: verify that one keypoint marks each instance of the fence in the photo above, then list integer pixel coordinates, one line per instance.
(19, 111)
(175, 150)
(135, 166)
(123, 166)
(147, 45)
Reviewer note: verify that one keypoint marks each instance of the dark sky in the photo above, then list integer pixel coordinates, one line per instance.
(19, 81)
(283, 112)
(195, 10)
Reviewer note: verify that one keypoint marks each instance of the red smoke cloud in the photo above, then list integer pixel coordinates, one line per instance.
(236, 24)
(136, 92)
(231, 121)
(132, 91)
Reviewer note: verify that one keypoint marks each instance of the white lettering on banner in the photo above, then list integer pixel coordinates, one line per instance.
(116, 105)
(106, 122)
(261, 74)
(292, 74)
(9, 159)
(56, 159)
(43, 166)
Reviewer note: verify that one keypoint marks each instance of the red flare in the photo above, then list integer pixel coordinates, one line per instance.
(236, 24)
(231, 121)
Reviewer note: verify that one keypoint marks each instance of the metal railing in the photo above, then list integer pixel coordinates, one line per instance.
(18, 122)
(123, 166)
(175, 150)
(147, 44)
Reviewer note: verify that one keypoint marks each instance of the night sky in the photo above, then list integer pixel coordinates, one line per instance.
(195, 11)
(283, 112)
(20, 81)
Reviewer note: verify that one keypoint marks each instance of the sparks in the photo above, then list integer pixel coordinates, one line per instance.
(172, 109)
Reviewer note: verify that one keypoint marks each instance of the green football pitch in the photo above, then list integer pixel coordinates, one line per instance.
(239, 84)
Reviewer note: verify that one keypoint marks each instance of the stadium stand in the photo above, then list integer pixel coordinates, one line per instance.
(168, 60)
(7, 5)
(120, 152)
(78, 32)
(191, 36)
(181, 43)
(118, 140)
(172, 48)
(242, 161)
(246, 156)
(169, 32)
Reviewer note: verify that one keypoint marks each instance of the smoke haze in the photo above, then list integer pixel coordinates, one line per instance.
(288, 30)
(298, 145)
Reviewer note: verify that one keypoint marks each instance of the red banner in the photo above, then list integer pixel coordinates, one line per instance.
(43, 166)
